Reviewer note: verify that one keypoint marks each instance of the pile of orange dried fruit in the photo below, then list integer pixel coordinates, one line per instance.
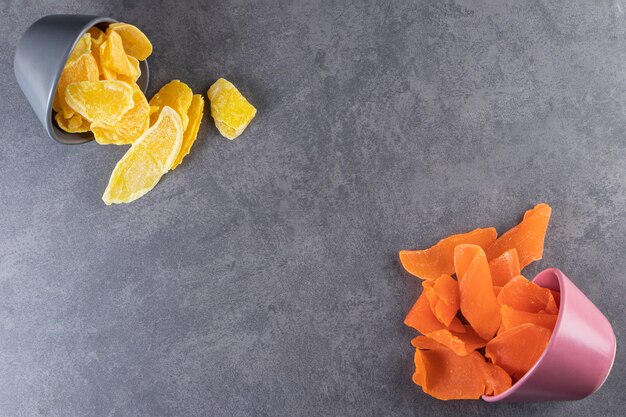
(97, 91)
(482, 331)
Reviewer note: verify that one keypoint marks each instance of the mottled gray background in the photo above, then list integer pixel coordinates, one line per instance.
(261, 277)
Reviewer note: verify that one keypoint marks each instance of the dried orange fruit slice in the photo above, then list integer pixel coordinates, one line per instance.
(523, 295)
(460, 343)
(512, 318)
(517, 349)
(505, 267)
(527, 237)
(135, 42)
(75, 124)
(443, 296)
(113, 57)
(479, 304)
(100, 101)
(131, 126)
(230, 109)
(496, 379)
(148, 159)
(421, 318)
(196, 110)
(439, 259)
(83, 69)
(83, 46)
(176, 95)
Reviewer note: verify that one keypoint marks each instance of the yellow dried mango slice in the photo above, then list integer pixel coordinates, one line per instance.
(82, 47)
(148, 159)
(75, 124)
(131, 126)
(176, 95)
(136, 43)
(230, 109)
(97, 38)
(100, 101)
(83, 69)
(113, 56)
(196, 110)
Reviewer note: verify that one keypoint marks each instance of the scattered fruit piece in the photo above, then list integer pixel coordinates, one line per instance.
(176, 95)
(512, 318)
(527, 237)
(135, 42)
(437, 260)
(148, 159)
(460, 343)
(505, 267)
(422, 319)
(517, 349)
(195, 113)
(230, 109)
(443, 296)
(100, 101)
(479, 304)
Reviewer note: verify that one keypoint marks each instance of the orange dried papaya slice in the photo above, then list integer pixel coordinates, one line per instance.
(517, 349)
(523, 295)
(424, 342)
(463, 257)
(443, 296)
(437, 260)
(512, 318)
(479, 304)
(496, 379)
(527, 237)
(422, 318)
(505, 267)
(460, 343)
(447, 376)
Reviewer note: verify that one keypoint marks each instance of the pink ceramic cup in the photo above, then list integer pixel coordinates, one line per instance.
(578, 357)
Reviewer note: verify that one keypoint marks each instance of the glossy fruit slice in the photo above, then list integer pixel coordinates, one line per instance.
(479, 304)
(421, 318)
(460, 343)
(100, 101)
(527, 237)
(517, 349)
(148, 159)
(496, 379)
(195, 113)
(443, 296)
(523, 295)
(176, 95)
(135, 42)
(505, 267)
(114, 57)
(84, 68)
(437, 260)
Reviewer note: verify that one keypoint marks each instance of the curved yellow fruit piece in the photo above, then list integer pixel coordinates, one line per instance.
(113, 56)
(132, 125)
(84, 68)
(196, 110)
(82, 47)
(100, 101)
(75, 124)
(176, 95)
(136, 43)
(230, 109)
(148, 159)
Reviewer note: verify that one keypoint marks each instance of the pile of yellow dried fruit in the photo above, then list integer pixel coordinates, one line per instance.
(482, 331)
(98, 92)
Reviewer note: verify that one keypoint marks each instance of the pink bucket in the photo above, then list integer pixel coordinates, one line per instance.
(578, 357)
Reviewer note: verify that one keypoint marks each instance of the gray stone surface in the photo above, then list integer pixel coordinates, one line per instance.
(261, 277)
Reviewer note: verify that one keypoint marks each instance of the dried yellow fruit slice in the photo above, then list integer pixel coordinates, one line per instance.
(75, 124)
(230, 109)
(196, 110)
(113, 56)
(148, 159)
(83, 69)
(100, 101)
(176, 95)
(97, 38)
(136, 43)
(132, 125)
(83, 46)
